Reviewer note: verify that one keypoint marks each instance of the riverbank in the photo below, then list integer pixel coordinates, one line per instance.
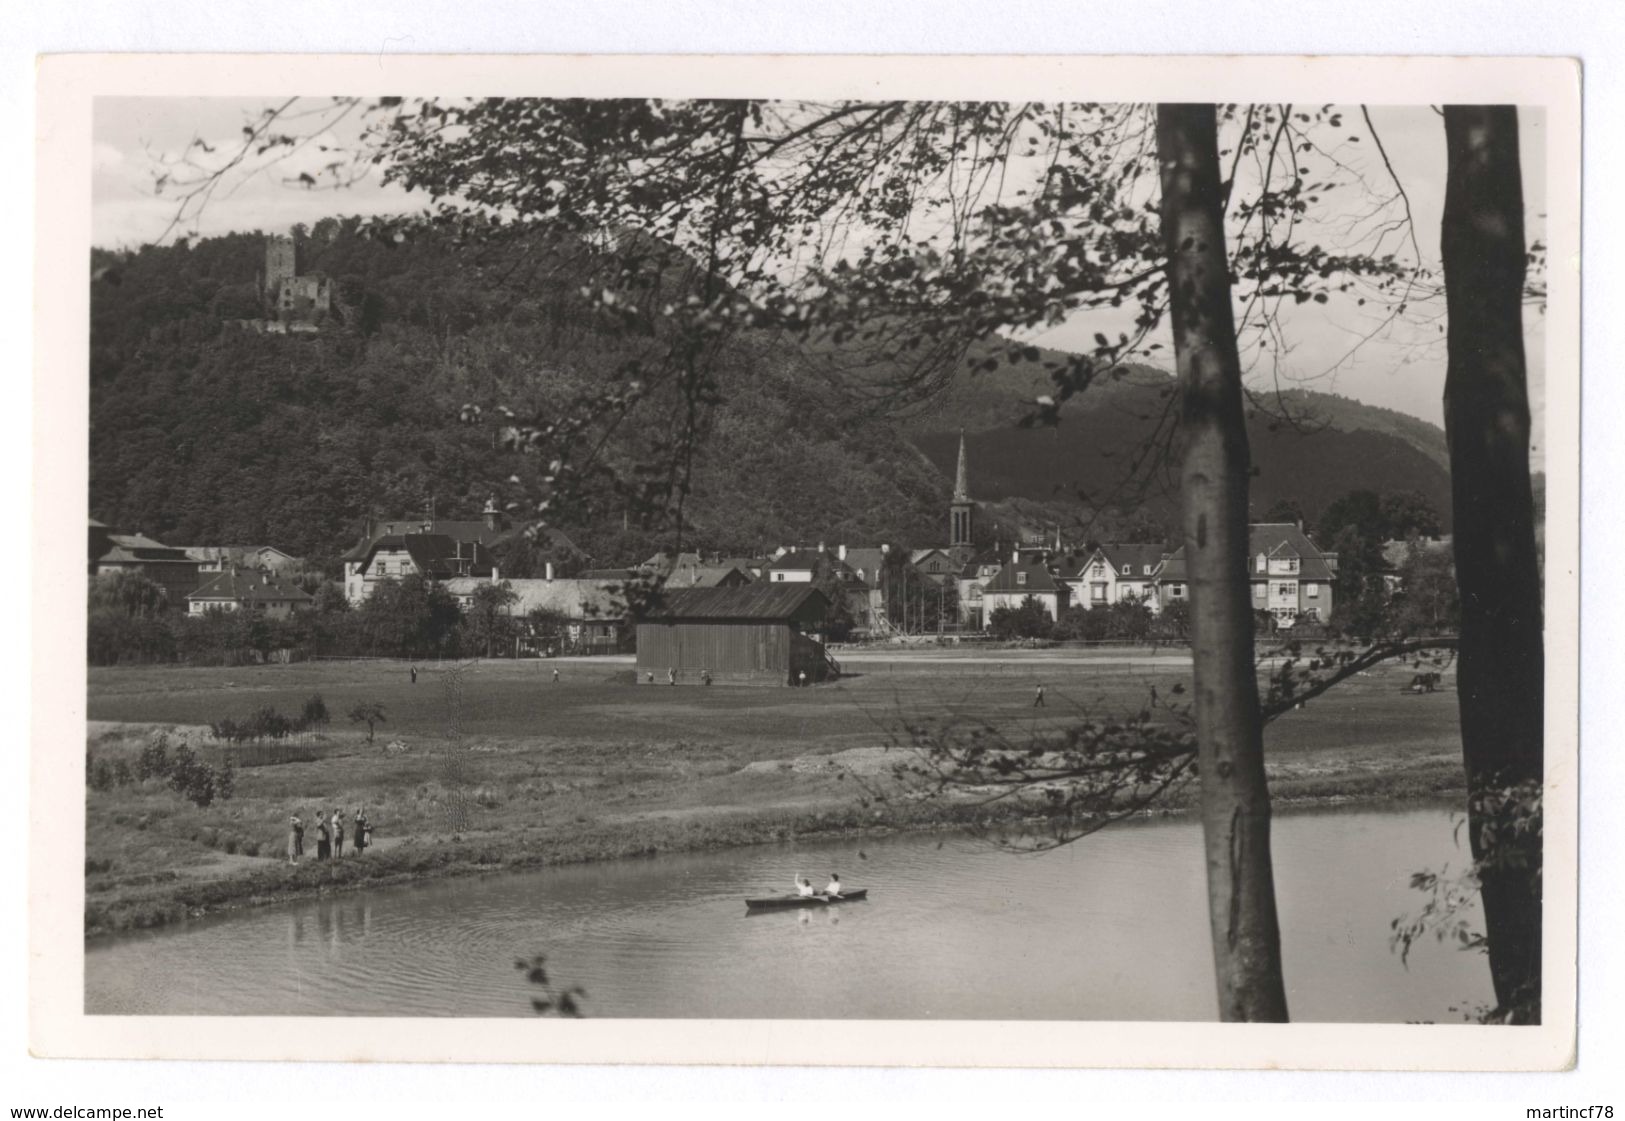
(594, 769)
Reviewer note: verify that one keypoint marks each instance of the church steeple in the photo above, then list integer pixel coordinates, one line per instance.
(959, 510)
(961, 490)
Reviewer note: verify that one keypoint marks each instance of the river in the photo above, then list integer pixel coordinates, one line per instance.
(1113, 927)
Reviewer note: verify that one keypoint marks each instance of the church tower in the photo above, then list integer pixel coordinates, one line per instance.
(959, 510)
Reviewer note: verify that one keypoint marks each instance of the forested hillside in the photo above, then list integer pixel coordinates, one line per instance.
(204, 433)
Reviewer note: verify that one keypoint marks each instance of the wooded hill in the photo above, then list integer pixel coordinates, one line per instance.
(204, 433)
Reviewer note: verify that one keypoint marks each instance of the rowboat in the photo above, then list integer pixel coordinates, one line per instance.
(787, 902)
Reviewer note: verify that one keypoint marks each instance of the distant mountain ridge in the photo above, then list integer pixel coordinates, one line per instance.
(1308, 447)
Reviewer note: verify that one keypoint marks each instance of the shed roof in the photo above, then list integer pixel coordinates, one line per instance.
(787, 602)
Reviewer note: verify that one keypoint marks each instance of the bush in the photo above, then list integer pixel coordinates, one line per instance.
(154, 759)
(192, 778)
(315, 714)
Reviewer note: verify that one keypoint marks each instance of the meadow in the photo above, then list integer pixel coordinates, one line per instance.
(594, 766)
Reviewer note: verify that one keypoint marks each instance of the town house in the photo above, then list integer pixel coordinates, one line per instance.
(1292, 578)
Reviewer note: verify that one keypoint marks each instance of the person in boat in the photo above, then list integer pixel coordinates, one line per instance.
(833, 888)
(804, 887)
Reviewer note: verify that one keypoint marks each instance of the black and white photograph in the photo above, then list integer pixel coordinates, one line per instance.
(841, 552)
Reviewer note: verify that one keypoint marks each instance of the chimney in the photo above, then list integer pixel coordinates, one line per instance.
(1300, 525)
(840, 553)
(820, 546)
(492, 516)
(884, 548)
(496, 575)
(1015, 556)
(549, 570)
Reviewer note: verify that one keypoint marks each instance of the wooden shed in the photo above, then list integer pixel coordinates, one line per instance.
(755, 634)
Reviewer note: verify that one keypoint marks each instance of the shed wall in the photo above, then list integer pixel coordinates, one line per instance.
(729, 651)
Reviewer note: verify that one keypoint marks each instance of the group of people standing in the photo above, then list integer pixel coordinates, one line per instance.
(329, 835)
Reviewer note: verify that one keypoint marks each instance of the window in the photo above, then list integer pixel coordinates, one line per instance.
(1147, 570)
(779, 576)
(1312, 591)
(1097, 593)
(1260, 562)
(1176, 590)
(1287, 591)
(1258, 591)
(1021, 579)
(1128, 570)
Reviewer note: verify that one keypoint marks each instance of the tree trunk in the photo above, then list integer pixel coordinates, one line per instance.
(1229, 729)
(1501, 673)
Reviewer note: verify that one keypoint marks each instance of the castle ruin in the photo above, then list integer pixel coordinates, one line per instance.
(296, 302)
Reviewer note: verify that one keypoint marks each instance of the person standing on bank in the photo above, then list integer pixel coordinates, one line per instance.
(324, 842)
(295, 838)
(360, 841)
(338, 834)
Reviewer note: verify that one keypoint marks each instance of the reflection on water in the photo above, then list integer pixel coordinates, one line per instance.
(1111, 928)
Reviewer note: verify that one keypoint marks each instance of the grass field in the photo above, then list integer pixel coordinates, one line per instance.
(594, 766)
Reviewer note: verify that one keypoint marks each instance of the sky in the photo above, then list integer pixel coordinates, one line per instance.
(1401, 368)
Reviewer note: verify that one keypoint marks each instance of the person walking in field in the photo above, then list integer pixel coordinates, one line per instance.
(671, 676)
(1038, 698)
(324, 838)
(555, 675)
(338, 834)
(414, 672)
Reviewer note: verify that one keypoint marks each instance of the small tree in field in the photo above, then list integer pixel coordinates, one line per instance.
(370, 713)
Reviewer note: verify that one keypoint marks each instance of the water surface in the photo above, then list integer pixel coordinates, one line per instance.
(1113, 927)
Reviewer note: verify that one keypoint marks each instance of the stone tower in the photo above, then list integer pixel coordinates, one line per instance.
(959, 510)
(281, 263)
